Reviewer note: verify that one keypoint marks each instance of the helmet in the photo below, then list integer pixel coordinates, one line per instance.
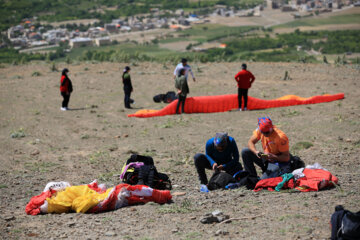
(265, 124)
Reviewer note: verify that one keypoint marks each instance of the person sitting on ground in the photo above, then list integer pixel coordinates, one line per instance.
(244, 79)
(275, 160)
(221, 153)
(183, 89)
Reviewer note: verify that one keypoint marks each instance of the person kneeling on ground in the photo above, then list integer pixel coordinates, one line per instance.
(275, 160)
(221, 154)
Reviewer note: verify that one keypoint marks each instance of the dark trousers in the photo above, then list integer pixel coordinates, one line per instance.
(242, 93)
(182, 101)
(269, 170)
(127, 99)
(202, 163)
(66, 99)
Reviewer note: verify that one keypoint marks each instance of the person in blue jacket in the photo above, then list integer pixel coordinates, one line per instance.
(221, 154)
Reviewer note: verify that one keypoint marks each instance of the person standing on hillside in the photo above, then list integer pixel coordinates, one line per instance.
(184, 65)
(244, 79)
(65, 89)
(182, 90)
(127, 87)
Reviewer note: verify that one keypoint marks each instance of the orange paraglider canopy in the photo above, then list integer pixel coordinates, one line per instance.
(223, 103)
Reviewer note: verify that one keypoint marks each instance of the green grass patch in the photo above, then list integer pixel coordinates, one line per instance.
(99, 156)
(292, 216)
(86, 136)
(290, 113)
(106, 177)
(300, 146)
(184, 207)
(193, 236)
(20, 133)
(36, 74)
(172, 122)
(341, 19)
(40, 166)
(3, 186)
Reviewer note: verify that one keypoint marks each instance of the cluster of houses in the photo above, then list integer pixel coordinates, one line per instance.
(310, 5)
(26, 35)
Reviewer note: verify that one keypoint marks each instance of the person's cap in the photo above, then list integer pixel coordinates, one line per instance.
(265, 124)
(127, 68)
(184, 60)
(220, 139)
(243, 66)
(64, 71)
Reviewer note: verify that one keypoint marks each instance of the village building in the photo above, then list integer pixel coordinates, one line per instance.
(80, 42)
(111, 28)
(18, 42)
(15, 31)
(102, 41)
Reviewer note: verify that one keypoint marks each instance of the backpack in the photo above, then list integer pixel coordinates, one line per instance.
(296, 163)
(159, 98)
(146, 174)
(169, 97)
(345, 225)
(220, 180)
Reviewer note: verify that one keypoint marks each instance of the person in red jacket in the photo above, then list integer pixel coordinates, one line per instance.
(244, 78)
(65, 89)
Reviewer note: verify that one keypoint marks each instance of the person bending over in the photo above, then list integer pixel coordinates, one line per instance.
(221, 153)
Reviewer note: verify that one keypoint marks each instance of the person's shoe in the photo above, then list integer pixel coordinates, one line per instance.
(67, 109)
(240, 110)
(63, 109)
(245, 109)
(204, 188)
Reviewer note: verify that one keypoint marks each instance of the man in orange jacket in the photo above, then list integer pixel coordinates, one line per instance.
(275, 160)
(244, 78)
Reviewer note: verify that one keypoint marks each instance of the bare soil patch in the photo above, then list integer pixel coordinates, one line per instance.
(82, 145)
(176, 46)
(78, 22)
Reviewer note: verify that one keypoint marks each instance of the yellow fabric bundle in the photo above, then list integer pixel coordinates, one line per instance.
(77, 198)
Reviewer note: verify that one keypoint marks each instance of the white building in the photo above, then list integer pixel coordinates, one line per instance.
(80, 42)
(102, 41)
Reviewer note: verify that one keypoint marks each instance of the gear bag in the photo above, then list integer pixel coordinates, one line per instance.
(345, 225)
(140, 170)
(296, 163)
(220, 180)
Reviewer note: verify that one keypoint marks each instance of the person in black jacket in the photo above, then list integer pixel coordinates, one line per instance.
(127, 87)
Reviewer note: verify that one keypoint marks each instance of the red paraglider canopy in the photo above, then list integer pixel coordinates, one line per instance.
(223, 103)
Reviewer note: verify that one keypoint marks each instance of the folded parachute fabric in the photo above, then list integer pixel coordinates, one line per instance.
(312, 180)
(223, 103)
(271, 183)
(92, 198)
(315, 180)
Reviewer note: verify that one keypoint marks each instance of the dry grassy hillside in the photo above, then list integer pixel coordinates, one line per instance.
(94, 140)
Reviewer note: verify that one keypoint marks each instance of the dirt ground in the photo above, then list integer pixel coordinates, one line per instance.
(95, 139)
